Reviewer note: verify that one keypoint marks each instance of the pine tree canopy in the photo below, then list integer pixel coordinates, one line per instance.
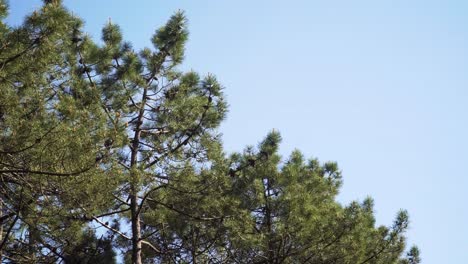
(107, 152)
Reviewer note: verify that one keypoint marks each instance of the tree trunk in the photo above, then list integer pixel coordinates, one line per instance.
(136, 229)
(1, 228)
(134, 205)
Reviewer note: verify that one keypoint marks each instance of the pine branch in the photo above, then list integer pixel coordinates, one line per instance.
(111, 228)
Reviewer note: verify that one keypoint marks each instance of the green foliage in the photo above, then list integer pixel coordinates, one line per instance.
(105, 137)
(54, 130)
(172, 37)
(87, 248)
(292, 215)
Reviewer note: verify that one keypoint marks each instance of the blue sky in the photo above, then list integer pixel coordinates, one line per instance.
(381, 87)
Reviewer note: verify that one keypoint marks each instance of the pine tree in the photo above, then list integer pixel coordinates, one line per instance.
(103, 136)
(292, 215)
(167, 116)
(98, 112)
(53, 137)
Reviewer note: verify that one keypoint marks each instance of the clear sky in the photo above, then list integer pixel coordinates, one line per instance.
(381, 87)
